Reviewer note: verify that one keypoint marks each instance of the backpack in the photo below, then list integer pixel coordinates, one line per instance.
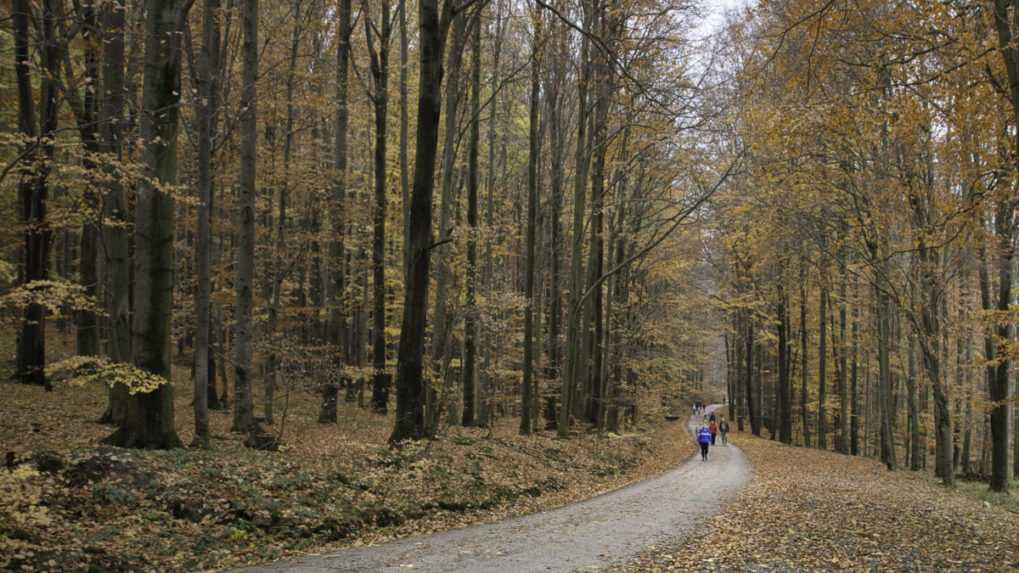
(703, 436)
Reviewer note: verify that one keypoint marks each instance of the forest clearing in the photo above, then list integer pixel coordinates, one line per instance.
(375, 280)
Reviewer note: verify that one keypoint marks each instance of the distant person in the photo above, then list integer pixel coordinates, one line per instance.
(712, 417)
(723, 429)
(713, 428)
(704, 440)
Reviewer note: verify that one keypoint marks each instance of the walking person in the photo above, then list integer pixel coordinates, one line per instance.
(703, 440)
(723, 429)
(713, 429)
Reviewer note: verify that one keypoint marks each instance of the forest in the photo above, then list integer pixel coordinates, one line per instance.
(285, 275)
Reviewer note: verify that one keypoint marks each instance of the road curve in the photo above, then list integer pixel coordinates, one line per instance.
(583, 535)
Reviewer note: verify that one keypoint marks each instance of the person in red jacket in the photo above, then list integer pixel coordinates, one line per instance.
(713, 428)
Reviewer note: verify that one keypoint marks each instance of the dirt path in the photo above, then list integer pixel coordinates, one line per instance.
(584, 535)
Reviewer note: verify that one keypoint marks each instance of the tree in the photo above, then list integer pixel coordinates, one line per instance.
(432, 31)
(243, 373)
(150, 422)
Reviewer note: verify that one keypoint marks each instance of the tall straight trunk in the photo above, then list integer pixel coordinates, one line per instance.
(150, 420)
(209, 89)
(470, 312)
(432, 29)
(822, 369)
(574, 368)
(854, 424)
(884, 401)
(339, 333)
(33, 188)
(785, 418)
(556, 176)
(843, 357)
(804, 356)
(526, 397)
(488, 268)
(1005, 229)
(115, 210)
(752, 408)
(916, 441)
(404, 129)
(441, 319)
(380, 101)
(86, 321)
(596, 261)
(243, 371)
(272, 369)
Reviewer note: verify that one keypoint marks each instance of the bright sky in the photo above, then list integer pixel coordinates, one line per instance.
(714, 14)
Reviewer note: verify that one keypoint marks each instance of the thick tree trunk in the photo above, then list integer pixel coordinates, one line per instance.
(441, 320)
(1000, 435)
(339, 334)
(410, 422)
(208, 66)
(115, 210)
(87, 330)
(150, 420)
(243, 370)
(33, 188)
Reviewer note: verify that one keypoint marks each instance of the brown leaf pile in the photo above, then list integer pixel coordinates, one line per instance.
(106, 509)
(808, 510)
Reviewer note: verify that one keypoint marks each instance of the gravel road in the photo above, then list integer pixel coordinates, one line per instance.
(579, 536)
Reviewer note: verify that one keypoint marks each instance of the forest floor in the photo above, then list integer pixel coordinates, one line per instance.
(576, 537)
(809, 510)
(73, 505)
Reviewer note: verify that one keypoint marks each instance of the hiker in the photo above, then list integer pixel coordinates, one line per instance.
(713, 428)
(712, 417)
(723, 429)
(704, 439)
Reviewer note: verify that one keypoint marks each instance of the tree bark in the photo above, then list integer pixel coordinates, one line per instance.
(150, 418)
(33, 187)
(470, 312)
(115, 210)
(243, 371)
(432, 29)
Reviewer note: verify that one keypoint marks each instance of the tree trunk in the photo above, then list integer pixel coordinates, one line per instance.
(380, 100)
(753, 412)
(441, 321)
(86, 320)
(844, 424)
(208, 66)
(470, 312)
(410, 423)
(526, 398)
(33, 187)
(115, 210)
(243, 371)
(785, 418)
(822, 369)
(150, 420)
(804, 336)
(339, 334)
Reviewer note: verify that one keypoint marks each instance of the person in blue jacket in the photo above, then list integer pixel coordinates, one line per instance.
(704, 439)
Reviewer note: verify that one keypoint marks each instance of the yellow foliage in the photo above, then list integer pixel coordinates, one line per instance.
(82, 370)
